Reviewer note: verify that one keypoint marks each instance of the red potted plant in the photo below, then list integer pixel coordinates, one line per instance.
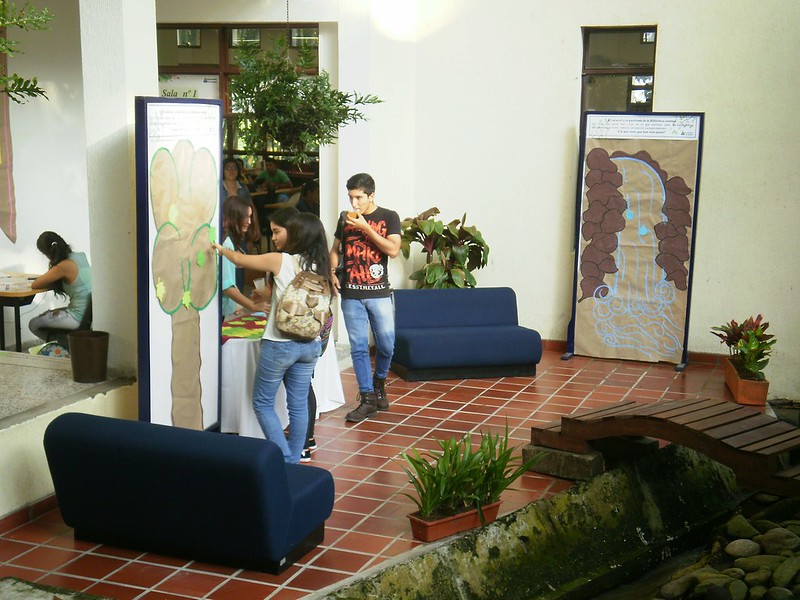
(750, 347)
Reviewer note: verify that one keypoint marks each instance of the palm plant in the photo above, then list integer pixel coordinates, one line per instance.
(452, 250)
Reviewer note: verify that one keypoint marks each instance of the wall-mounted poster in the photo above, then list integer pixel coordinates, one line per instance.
(636, 225)
(178, 158)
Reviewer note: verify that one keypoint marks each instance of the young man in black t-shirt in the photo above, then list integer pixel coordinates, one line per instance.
(369, 235)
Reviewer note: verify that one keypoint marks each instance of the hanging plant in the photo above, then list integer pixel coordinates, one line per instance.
(275, 100)
(27, 18)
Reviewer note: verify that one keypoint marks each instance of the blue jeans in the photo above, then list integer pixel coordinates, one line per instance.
(292, 363)
(359, 316)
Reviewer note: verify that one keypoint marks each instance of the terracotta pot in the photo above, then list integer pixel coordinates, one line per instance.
(745, 391)
(429, 531)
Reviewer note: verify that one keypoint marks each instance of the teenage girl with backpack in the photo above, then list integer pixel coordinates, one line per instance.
(282, 359)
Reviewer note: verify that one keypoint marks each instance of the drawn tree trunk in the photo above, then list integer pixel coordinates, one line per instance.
(184, 188)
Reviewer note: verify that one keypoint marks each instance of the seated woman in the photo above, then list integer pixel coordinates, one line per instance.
(69, 276)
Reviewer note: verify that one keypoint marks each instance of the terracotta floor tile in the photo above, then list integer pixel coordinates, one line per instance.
(44, 557)
(194, 585)
(242, 590)
(141, 574)
(11, 548)
(112, 590)
(341, 560)
(92, 566)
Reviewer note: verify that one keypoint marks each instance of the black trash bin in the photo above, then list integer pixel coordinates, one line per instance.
(88, 351)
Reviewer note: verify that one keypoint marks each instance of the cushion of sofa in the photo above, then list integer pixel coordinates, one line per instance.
(467, 346)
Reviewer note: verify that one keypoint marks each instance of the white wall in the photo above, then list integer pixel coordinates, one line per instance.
(481, 116)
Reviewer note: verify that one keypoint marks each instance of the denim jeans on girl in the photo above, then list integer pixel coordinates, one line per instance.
(293, 364)
(359, 315)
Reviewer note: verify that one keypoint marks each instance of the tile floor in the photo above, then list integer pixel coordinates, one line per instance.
(368, 526)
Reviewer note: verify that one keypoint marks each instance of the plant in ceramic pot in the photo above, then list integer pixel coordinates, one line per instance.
(452, 250)
(749, 347)
(458, 487)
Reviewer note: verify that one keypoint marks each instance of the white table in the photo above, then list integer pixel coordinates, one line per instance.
(239, 363)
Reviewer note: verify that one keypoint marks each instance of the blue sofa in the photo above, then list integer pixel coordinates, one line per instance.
(461, 333)
(208, 496)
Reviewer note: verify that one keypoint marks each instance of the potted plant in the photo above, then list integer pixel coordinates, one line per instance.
(750, 347)
(277, 99)
(458, 487)
(452, 250)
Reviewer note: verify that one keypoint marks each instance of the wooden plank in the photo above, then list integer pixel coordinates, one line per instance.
(790, 473)
(720, 420)
(706, 413)
(757, 420)
(781, 447)
(750, 437)
(687, 408)
(788, 436)
(599, 412)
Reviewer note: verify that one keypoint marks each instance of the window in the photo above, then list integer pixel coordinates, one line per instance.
(188, 38)
(618, 69)
(245, 36)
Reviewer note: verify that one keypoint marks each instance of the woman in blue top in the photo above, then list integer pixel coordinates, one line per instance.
(238, 230)
(69, 276)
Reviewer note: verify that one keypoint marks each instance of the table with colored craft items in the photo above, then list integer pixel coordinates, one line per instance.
(241, 344)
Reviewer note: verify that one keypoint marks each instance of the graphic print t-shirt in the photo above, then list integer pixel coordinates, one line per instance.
(365, 265)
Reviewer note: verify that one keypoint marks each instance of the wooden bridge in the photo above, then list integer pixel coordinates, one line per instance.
(755, 446)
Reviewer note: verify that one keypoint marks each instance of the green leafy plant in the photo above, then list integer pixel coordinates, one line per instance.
(457, 477)
(452, 250)
(748, 344)
(276, 100)
(18, 88)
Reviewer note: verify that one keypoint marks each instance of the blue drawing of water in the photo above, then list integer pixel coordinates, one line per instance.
(638, 309)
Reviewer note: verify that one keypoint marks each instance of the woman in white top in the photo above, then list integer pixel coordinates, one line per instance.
(285, 360)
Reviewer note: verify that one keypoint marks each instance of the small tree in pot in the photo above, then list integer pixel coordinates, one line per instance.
(452, 250)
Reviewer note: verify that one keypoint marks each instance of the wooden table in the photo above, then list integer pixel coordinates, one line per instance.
(16, 299)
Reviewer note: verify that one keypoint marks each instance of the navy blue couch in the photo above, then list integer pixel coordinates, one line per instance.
(208, 496)
(462, 333)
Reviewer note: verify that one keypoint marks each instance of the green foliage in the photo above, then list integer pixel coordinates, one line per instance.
(276, 100)
(27, 18)
(452, 250)
(457, 478)
(748, 344)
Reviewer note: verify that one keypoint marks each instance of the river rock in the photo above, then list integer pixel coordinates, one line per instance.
(739, 527)
(742, 547)
(716, 592)
(764, 525)
(712, 586)
(677, 588)
(760, 577)
(786, 572)
(778, 539)
(754, 563)
(738, 590)
(779, 593)
(758, 592)
(734, 573)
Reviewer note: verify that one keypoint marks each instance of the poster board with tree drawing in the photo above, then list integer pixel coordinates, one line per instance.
(636, 223)
(178, 161)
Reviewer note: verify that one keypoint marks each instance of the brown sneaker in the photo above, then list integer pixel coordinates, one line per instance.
(365, 409)
(379, 385)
